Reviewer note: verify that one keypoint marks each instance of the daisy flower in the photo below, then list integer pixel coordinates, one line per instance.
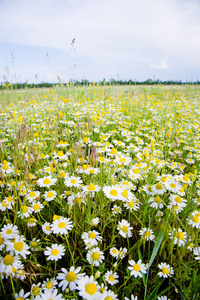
(18, 246)
(9, 231)
(111, 277)
(91, 188)
(112, 192)
(108, 295)
(46, 228)
(179, 237)
(55, 252)
(131, 204)
(158, 188)
(31, 222)
(156, 202)
(114, 252)
(132, 298)
(95, 256)
(197, 253)
(49, 195)
(61, 226)
(95, 221)
(172, 186)
(50, 295)
(147, 234)
(73, 181)
(37, 206)
(166, 270)
(195, 221)
(70, 278)
(25, 211)
(49, 284)
(32, 195)
(91, 237)
(116, 209)
(124, 228)
(46, 181)
(8, 262)
(88, 288)
(137, 268)
(163, 298)
(75, 199)
(21, 295)
(175, 199)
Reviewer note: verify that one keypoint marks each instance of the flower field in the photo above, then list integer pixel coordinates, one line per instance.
(100, 193)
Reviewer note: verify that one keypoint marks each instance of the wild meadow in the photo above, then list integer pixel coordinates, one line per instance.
(100, 193)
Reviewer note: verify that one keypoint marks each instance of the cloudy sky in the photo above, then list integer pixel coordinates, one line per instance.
(120, 39)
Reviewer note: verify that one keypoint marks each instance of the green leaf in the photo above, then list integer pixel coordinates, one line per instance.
(158, 241)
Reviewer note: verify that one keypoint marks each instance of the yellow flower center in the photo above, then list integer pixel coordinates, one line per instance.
(108, 298)
(49, 285)
(4, 203)
(34, 244)
(185, 178)
(31, 221)
(91, 288)
(62, 174)
(124, 228)
(77, 200)
(20, 298)
(36, 206)
(9, 231)
(147, 233)
(1, 240)
(95, 256)
(135, 171)
(165, 270)
(8, 260)
(131, 204)
(73, 181)
(114, 193)
(159, 186)
(172, 185)
(5, 167)
(157, 199)
(47, 181)
(136, 267)
(47, 227)
(111, 278)
(163, 179)
(125, 193)
(24, 209)
(180, 235)
(50, 194)
(91, 187)
(61, 224)
(35, 290)
(18, 246)
(92, 235)
(85, 140)
(114, 251)
(195, 219)
(60, 153)
(178, 199)
(113, 151)
(71, 276)
(122, 160)
(54, 252)
(9, 199)
(32, 194)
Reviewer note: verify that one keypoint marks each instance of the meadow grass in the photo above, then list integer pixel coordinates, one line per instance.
(100, 193)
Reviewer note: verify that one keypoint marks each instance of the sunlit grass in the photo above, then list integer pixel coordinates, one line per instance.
(100, 193)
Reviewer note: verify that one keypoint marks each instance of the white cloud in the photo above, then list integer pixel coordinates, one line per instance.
(163, 64)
